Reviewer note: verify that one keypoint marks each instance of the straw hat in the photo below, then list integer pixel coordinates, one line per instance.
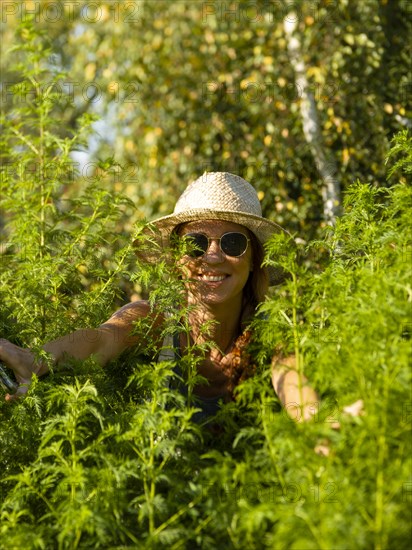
(218, 196)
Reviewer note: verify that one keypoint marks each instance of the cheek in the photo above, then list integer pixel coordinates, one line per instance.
(247, 262)
(243, 269)
(186, 266)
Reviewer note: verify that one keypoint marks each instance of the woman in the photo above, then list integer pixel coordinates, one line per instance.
(219, 219)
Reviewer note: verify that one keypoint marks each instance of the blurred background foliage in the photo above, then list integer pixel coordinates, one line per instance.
(181, 87)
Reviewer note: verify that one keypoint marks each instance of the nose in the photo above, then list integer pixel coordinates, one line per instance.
(213, 254)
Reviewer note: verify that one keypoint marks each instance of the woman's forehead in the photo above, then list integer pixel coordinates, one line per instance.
(209, 226)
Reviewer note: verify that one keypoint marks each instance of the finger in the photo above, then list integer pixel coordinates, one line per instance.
(322, 450)
(322, 447)
(21, 392)
(19, 360)
(355, 409)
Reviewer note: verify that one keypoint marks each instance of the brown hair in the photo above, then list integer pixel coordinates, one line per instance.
(258, 283)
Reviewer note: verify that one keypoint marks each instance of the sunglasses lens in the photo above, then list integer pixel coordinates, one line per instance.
(234, 244)
(197, 244)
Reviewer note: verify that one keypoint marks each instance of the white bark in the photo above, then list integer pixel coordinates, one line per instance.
(325, 164)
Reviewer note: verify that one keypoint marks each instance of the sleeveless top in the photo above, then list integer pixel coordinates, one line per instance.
(209, 406)
(242, 367)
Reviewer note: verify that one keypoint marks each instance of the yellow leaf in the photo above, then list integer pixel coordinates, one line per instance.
(157, 42)
(105, 14)
(130, 145)
(113, 87)
(209, 36)
(315, 72)
(246, 82)
(267, 140)
(345, 156)
(90, 71)
(349, 39)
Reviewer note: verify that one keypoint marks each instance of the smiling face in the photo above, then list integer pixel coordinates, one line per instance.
(216, 278)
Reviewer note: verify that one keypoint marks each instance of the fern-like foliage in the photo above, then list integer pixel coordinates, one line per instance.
(113, 459)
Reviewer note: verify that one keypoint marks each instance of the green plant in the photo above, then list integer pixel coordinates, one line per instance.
(112, 459)
(54, 246)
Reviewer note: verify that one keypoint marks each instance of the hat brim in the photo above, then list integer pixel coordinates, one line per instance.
(261, 227)
(158, 231)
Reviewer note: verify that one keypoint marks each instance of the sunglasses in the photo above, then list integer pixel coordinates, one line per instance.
(232, 244)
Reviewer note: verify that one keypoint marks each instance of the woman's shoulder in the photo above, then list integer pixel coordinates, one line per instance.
(132, 312)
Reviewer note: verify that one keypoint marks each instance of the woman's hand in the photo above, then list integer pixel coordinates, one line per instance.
(298, 398)
(22, 362)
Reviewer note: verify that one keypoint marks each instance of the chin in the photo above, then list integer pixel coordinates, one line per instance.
(210, 297)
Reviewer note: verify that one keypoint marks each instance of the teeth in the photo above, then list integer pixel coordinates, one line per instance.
(213, 278)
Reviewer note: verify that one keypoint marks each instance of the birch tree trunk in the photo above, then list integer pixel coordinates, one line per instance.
(326, 165)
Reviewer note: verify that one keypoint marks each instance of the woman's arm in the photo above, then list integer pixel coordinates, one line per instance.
(104, 343)
(297, 397)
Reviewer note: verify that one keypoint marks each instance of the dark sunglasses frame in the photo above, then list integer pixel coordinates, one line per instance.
(200, 249)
